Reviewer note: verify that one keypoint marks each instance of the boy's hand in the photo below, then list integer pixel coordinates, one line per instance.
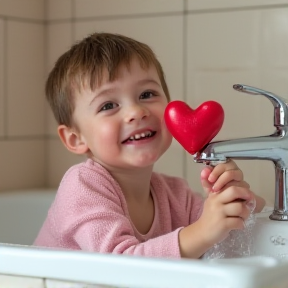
(215, 179)
(225, 208)
(222, 176)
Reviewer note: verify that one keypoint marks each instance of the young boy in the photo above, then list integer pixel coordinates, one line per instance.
(108, 95)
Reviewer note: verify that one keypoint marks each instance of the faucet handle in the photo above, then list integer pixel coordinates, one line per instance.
(279, 103)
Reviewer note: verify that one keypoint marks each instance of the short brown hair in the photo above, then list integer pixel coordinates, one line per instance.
(86, 61)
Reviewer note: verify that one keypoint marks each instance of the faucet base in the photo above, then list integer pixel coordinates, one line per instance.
(278, 216)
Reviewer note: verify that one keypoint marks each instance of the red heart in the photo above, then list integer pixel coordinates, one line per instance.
(193, 129)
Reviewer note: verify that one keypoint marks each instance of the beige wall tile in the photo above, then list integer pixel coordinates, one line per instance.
(211, 74)
(51, 122)
(168, 47)
(243, 116)
(22, 164)
(274, 38)
(220, 4)
(276, 81)
(30, 9)
(233, 35)
(2, 89)
(96, 8)
(25, 78)
(58, 9)
(223, 61)
(59, 161)
(59, 39)
(23, 282)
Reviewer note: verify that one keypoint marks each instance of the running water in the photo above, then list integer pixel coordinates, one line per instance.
(239, 243)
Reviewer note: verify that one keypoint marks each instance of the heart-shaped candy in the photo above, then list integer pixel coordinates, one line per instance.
(193, 129)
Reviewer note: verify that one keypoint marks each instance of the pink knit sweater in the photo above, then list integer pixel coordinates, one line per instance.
(90, 213)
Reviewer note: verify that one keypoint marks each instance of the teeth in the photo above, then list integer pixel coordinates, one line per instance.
(142, 135)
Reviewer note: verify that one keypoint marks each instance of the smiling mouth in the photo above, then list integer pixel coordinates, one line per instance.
(140, 136)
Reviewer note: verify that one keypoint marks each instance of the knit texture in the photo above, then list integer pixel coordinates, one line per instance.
(90, 213)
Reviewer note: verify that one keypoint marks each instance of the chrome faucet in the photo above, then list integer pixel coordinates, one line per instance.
(272, 147)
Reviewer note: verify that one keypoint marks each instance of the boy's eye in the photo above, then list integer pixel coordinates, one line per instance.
(147, 95)
(108, 106)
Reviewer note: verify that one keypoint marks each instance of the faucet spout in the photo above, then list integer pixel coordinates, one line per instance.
(272, 147)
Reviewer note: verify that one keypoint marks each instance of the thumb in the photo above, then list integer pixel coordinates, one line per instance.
(207, 186)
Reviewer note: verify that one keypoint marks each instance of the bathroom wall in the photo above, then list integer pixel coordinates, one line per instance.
(22, 106)
(205, 47)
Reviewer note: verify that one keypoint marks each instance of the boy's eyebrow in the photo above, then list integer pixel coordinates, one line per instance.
(102, 93)
(147, 81)
(111, 90)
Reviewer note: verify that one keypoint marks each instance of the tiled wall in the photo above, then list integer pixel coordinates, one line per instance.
(205, 47)
(22, 109)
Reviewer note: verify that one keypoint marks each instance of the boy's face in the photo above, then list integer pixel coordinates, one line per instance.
(121, 122)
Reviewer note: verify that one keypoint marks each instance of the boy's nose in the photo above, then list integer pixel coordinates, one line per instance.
(136, 112)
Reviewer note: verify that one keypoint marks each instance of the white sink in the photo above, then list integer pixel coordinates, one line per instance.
(270, 237)
(264, 271)
(140, 272)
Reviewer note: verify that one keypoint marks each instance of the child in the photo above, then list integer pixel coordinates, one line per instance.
(108, 95)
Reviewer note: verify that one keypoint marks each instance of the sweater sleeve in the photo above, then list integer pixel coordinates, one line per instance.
(94, 219)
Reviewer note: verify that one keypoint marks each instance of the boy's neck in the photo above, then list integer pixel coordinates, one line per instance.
(135, 183)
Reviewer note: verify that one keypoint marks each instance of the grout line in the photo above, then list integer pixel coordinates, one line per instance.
(45, 12)
(19, 19)
(128, 16)
(5, 77)
(28, 137)
(231, 9)
(73, 21)
(141, 15)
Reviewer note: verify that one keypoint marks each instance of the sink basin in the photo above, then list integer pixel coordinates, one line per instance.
(266, 266)
(139, 272)
(262, 237)
(270, 237)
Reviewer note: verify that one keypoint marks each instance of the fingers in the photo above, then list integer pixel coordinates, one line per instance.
(233, 193)
(226, 177)
(214, 179)
(205, 173)
(224, 181)
(260, 203)
(221, 168)
(243, 184)
(237, 209)
(204, 179)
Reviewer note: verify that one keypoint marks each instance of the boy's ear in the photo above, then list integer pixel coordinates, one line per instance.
(72, 140)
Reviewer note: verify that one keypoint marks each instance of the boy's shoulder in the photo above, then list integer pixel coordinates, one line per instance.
(87, 167)
(88, 172)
